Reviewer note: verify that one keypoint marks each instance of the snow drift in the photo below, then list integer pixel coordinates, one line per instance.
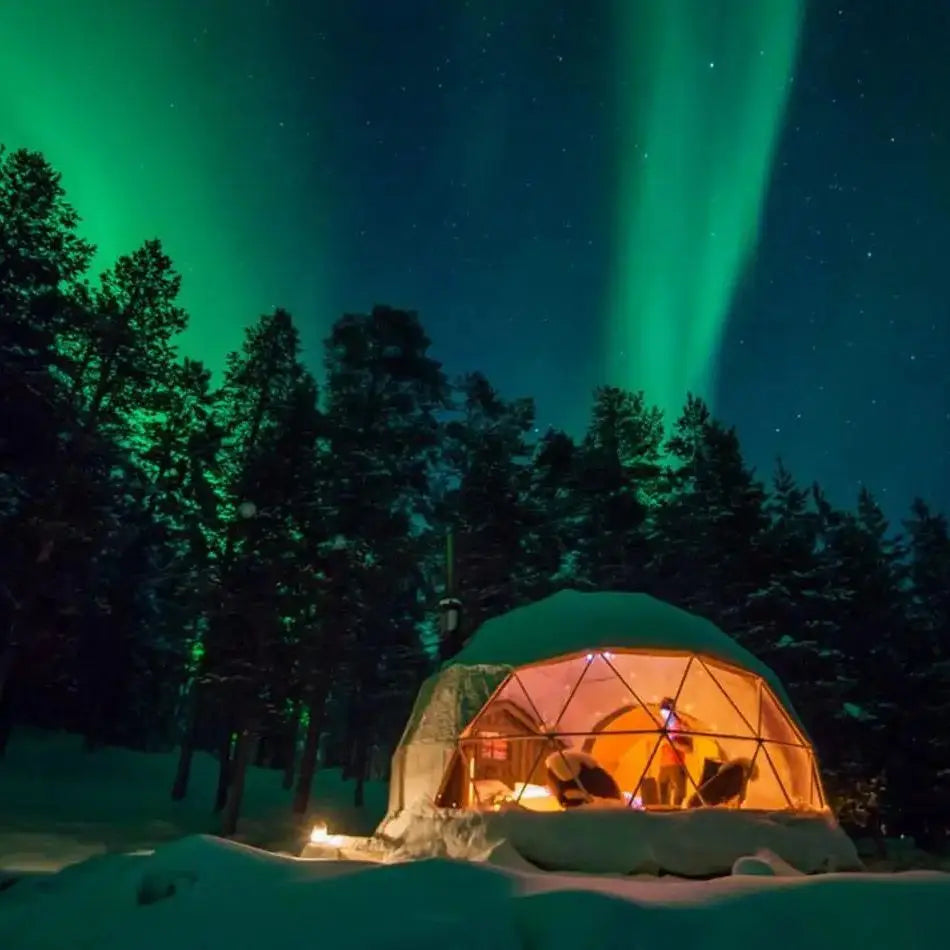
(693, 843)
(201, 892)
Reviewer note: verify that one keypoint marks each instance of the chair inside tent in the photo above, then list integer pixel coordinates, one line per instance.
(647, 730)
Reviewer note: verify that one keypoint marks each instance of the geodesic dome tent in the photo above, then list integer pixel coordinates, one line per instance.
(579, 681)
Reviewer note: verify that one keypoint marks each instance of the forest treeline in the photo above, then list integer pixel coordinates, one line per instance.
(251, 565)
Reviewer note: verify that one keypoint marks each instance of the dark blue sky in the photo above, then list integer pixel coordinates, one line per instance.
(838, 351)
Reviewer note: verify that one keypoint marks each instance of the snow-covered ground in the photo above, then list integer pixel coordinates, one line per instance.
(202, 892)
(142, 875)
(60, 805)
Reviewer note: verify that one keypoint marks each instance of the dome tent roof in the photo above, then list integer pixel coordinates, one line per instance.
(572, 621)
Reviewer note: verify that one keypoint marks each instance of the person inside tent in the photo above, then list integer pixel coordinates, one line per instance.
(577, 778)
(673, 748)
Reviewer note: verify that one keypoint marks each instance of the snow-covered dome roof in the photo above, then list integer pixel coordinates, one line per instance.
(573, 621)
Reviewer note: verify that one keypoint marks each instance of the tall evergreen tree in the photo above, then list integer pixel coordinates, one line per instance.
(619, 482)
(560, 515)
(487, 451)
(383, 393)
(46, 500)
(791, 621)
(710, 522)
(863, 568)
(124, 354)
(920, 787)
(263, 386)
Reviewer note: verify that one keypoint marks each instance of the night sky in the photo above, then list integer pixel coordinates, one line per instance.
(742, 197)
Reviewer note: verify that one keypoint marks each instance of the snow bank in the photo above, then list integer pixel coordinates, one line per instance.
(228, 895)
(694, 843)
(60, 805)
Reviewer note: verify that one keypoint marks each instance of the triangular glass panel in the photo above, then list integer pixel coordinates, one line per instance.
(720, 770)
(597, 700)
(792, 764)
(549, 686)
(509, 712)
(741, 689)
(704, 707)
(530, 785)
(770, 778)
(651, 677)
(774, 723)
(629, 759)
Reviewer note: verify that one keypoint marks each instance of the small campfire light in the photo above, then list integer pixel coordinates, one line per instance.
(320, 835)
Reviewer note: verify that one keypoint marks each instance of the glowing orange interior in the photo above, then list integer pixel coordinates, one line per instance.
(607, 705)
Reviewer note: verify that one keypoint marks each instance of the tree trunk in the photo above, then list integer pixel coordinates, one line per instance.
(187, 749)
(224, 767)
(311, 745)
(290, 763)
(243, 755)
(351, 738)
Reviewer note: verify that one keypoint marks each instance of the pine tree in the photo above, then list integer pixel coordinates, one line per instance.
(122, 358)
(921, 787)
(124, 354)
(179, 446)
(487, 452)
(383, 393)
(555, 542)
(863, 570)
(710, 523)
(791, 622)
(46, 499)
(619, 482)
(265, 384)
(42, 261)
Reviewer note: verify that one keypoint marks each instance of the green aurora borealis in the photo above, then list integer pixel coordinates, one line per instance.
(161, 128)
(702, 95)
(566, 190)
(138, 104)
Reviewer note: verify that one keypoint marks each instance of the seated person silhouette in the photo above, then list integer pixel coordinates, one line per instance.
(729, 782)
(575, 778)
